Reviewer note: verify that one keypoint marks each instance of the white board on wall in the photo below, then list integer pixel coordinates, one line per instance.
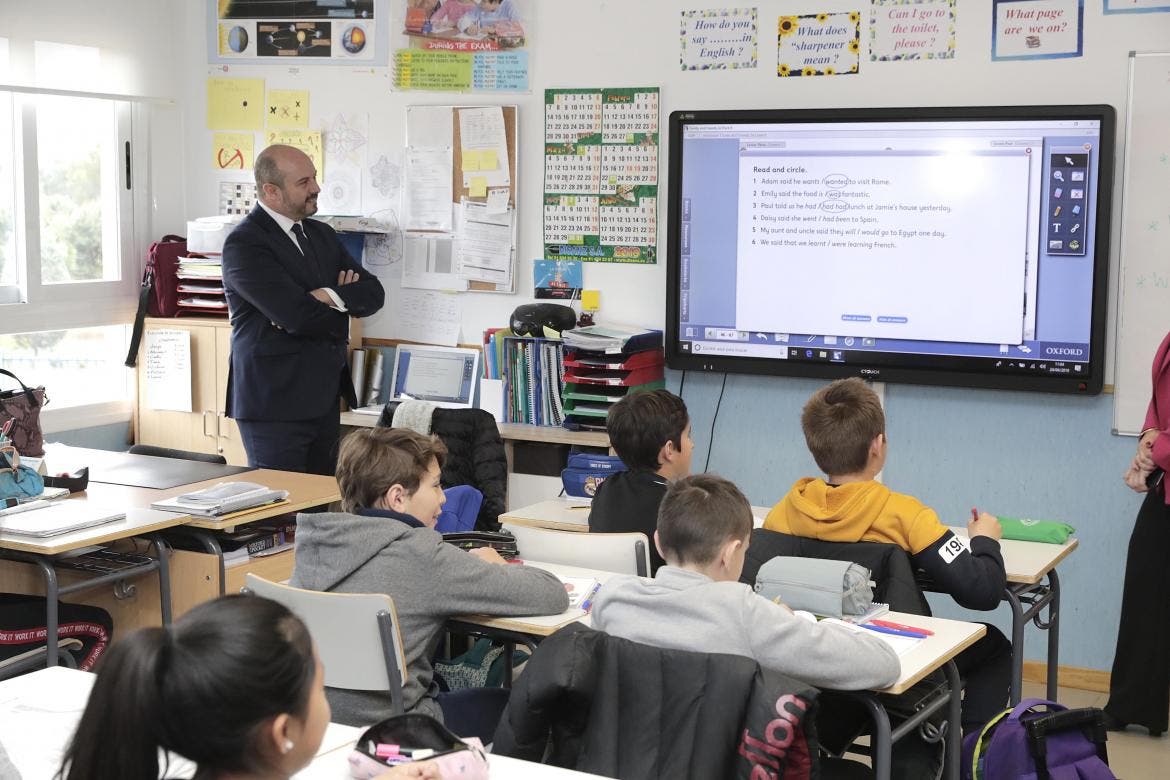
(1143, 288)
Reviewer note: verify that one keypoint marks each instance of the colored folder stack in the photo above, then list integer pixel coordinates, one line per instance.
(595, 381)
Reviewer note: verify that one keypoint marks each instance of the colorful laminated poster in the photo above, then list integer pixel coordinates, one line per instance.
(1136, 6)
(557, 279)
(1037, 29)
(323, 31)
(232, 151)
(911, 30)
(462, 45)
(601, 174)
(818, 44)
(718, 39)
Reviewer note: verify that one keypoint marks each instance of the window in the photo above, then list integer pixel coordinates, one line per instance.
(69, 250)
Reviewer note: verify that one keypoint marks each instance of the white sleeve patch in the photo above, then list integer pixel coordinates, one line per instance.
(953, 548)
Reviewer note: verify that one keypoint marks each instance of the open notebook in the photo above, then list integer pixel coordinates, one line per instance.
(57, 518)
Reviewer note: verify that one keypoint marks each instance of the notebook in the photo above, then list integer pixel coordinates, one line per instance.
(221, 499)
(57, 518)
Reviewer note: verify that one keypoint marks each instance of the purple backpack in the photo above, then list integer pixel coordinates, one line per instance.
(1023, 742)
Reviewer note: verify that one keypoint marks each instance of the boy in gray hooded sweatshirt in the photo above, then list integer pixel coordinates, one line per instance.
(385, 542)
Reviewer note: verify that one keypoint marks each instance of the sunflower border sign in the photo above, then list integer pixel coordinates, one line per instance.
(823, 44)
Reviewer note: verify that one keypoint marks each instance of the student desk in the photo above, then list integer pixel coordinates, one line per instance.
(572, 514)
(934, 652)
(42, 553)
(40, 711)
(1032, 585)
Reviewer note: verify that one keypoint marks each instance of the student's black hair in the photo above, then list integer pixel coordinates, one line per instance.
(204, 688)
(641, 424)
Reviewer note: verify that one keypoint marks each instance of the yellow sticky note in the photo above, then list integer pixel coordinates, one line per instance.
(591, 299)
(235, 104)
(479, 186)
(288, 108)
(470, 160)
(308, 141)
(489, 160)
(232, 151)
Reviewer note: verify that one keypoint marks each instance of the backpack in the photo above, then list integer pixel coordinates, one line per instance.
(1025, 743)
(159, 293)
(584, 472)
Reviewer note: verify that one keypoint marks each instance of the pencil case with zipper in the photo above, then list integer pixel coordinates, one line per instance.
(823, 587)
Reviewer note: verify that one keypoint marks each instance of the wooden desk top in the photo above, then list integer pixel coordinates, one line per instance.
(572, 514)
(1029, 562)
(304, 491)
(950, 638)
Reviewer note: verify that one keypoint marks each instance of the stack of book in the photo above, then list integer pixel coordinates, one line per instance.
(257, 540)
(223, 498)
(533, 376)
(201, 286)
(604, 364)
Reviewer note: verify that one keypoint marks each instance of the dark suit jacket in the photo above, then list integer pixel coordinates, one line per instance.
(288, 357)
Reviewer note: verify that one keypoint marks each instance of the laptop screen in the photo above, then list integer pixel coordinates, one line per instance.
(442, 375)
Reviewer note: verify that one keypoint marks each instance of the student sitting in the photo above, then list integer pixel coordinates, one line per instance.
(384, 542)
(696, 602)
(651, 433)
(234, 685)
(844, 427)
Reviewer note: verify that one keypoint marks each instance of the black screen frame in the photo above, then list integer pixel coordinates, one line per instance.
(953, 372)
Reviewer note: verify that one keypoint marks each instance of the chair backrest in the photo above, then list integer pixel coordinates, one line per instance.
(167, 452)
(623, 553)
(356, 634)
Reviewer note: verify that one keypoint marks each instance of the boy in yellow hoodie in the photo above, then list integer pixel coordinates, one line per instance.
(844, 426)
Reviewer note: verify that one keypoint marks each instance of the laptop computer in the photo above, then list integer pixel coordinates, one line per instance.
(58, 517)
(445, 376)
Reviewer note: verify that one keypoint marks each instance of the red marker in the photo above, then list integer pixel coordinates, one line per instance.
(974, 514)
(902, 627)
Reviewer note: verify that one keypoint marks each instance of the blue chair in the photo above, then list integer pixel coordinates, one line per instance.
(461, 509)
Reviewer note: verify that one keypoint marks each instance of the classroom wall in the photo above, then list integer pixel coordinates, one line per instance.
(1012, 453)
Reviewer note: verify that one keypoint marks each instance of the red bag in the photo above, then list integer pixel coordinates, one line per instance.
(162, 267)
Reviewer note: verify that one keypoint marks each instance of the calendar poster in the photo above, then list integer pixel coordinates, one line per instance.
(601, 174)
(461, 46)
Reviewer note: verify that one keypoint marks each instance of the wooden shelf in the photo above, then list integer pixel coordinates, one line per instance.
(510, 432)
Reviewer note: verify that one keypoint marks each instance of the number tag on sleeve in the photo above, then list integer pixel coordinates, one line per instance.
(954, 547)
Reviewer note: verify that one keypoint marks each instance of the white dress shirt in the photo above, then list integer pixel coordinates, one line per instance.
(286, 225)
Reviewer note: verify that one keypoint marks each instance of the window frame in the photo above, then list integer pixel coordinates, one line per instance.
(80, 304)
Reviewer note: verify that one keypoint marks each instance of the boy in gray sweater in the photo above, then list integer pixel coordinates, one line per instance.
(385, 542)
(695, 602)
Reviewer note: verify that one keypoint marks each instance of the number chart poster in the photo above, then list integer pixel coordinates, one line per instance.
(460, 46)
(601, 175)
(308, 31)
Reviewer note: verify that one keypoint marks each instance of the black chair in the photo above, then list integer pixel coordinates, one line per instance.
(167, 452)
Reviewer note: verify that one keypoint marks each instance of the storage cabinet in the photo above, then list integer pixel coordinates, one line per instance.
(204, 428)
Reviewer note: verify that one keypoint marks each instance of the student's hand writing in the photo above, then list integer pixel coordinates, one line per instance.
(487, 554)
(347, 277)
(421, 770)
(986, 525)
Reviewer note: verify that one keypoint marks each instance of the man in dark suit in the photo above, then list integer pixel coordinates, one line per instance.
(291, 289)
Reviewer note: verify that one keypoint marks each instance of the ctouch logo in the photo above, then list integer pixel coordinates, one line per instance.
(768, 754)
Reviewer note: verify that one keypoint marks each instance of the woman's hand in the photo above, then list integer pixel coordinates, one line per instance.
(1135, 478)
(1145, 450)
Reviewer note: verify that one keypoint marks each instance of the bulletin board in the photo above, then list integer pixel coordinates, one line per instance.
(468, 187)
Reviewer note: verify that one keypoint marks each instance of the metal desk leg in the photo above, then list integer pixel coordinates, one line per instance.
(881, 741)
(1053, 626)
(52, 593)
(164, 577)
(1018, 623)
(954, 734)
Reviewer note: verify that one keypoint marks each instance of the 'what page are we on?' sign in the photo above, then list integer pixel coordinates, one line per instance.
(718, 39)
(1037, 29)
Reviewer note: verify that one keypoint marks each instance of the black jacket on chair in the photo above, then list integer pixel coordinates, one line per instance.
(475, 456)
(889, 564)
(621, 709)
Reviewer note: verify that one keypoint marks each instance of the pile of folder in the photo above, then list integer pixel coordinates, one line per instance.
(596, 380)
(200, 286)
(533, 375)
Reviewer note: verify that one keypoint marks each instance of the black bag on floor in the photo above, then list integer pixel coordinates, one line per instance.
(82, 631)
